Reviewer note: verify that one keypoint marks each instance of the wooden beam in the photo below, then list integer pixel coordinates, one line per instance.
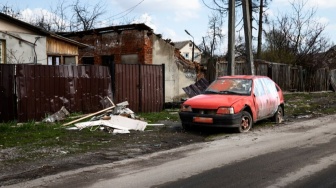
(90, 115)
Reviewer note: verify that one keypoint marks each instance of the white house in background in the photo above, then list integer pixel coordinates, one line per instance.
(185, 48)
(21, 42)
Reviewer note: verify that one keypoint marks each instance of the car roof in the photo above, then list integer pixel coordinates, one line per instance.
(244, 76)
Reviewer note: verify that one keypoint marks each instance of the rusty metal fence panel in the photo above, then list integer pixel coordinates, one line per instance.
(141, 85)
(45, 89)
(7, 93)
(152, 88)
(127, 85)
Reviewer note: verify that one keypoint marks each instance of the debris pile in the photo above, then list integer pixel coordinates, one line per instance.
(113, 119)
(58, 116)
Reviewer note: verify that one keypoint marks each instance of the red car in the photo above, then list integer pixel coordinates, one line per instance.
(234, 101)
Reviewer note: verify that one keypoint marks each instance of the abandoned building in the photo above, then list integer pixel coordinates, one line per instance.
(23, 43)
(136, 44)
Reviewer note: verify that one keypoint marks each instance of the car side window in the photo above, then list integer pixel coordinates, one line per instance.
(269, 86)
(258, 88)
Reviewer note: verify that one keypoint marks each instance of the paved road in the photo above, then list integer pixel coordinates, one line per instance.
(301, 154)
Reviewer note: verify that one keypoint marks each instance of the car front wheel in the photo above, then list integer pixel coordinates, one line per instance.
(246, 122)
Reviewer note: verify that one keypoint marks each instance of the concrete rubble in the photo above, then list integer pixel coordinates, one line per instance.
(57, 116)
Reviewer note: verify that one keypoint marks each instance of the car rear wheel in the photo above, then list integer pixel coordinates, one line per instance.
(278, 116)
(246, 122)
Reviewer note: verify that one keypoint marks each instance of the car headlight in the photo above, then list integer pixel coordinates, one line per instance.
(186, 108)
(225, 110)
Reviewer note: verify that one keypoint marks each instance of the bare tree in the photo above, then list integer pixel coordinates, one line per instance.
(296, 38)
(86, 16)
(255, 6)
(42, 21)
(59, 18)
(212, 41)
(9, 10)
(263, 4)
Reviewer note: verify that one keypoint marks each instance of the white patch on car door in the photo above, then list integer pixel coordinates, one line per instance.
(260, 99)
(272, 95)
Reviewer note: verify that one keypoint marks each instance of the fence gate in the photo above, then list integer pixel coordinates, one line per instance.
(141, 85)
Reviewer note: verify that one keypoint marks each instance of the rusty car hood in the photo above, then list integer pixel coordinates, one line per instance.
(213, 101)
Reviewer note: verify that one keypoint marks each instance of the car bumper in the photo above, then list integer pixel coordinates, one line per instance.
(227, 120)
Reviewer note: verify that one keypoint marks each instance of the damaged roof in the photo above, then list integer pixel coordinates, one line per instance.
(117, 28)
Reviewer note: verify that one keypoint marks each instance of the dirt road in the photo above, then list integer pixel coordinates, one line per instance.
(170, 167)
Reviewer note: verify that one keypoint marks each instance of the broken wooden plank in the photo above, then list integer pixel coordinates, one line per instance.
(125, 103)
(90, 115)
(156, 124)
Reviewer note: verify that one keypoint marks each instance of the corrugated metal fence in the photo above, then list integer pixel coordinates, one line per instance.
(7, 93)
(31, 92)
(289, 78)
(141, 85)
(43, 90)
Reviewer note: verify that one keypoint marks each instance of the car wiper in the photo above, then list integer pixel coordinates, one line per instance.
(229, 92)
(211, 92)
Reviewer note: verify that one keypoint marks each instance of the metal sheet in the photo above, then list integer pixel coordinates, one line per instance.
(140, 85)
(44, 90)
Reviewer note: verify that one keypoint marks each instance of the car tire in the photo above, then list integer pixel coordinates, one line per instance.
(246, 122)
(278, 116)
(186, 127)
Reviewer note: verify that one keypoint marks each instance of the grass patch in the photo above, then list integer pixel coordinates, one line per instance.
(310, 103)
(155, 117)
(38, 140)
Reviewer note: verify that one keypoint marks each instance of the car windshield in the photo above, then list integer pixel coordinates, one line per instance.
(235, 86)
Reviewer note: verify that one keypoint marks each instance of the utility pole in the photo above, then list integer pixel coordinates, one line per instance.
(231, 38)
(248, 37)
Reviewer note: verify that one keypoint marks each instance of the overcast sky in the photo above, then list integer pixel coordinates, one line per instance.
(171, 17)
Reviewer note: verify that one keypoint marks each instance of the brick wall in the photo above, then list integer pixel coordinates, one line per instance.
(128, 42)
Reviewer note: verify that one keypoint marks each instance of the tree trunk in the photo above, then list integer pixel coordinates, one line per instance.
(260, 29)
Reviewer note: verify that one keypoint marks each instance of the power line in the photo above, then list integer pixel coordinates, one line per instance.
(127, 11)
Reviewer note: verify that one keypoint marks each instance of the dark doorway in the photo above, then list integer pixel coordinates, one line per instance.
(107, 60)
(88, 60)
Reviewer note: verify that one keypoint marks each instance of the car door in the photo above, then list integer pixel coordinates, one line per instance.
(260, 99)
(271, 95)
